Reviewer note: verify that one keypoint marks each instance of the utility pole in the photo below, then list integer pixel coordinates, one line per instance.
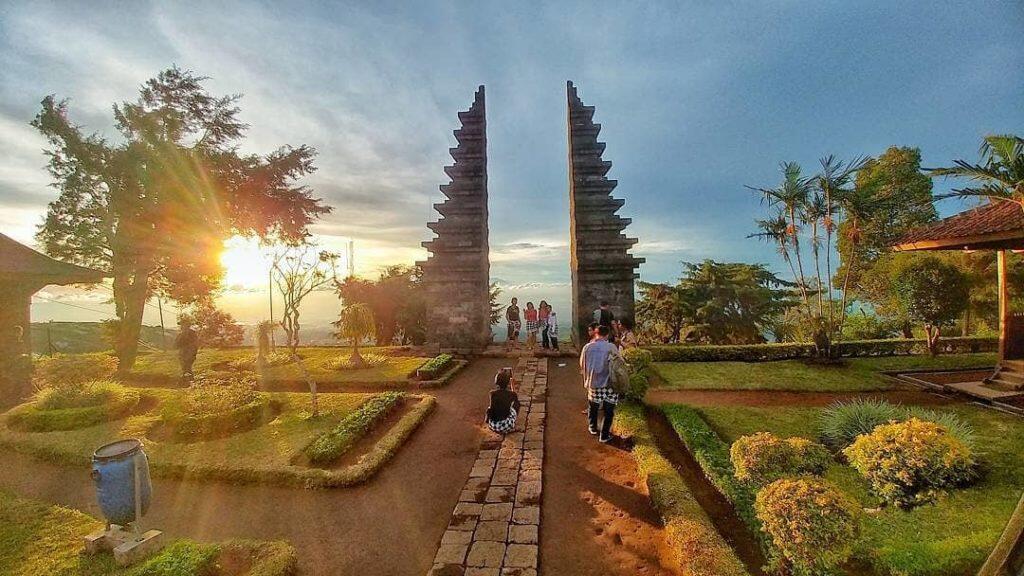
(163, 331)
(270, 294)
(49, 339)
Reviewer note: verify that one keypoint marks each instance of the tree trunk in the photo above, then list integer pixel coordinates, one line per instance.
(131, 306)
(356, 360)
(846, 289)
(965, 329)
(799, 260)
(932, 337)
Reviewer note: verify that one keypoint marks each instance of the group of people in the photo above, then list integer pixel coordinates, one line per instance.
(541, 321)
(608, 339)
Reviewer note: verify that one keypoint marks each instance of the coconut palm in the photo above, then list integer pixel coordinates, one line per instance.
(356, 324)
(1000, 175)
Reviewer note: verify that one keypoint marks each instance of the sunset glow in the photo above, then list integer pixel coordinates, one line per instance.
(245, 263)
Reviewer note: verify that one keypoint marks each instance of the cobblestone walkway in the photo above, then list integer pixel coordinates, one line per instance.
(494, 529)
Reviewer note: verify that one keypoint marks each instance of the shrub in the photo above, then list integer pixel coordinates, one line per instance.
(181, 558)
(794, 350)
(345, 362)
(763, 457)
(331, 445)
(639, 362)
(812, 524)
(249, 362)
(638, 358)
(432, 368)
(68, 408)
(214, 406)
(71, 369)
(842, 422)
(906, 462)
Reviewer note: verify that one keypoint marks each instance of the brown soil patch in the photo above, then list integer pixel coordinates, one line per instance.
(233, 562)
(597, 518)
(783, 398)
(719, 510)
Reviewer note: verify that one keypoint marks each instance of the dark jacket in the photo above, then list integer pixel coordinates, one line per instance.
(502, 401)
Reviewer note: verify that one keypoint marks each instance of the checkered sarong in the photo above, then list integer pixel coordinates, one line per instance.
(606, 394)
(504, 426)
(531, 326)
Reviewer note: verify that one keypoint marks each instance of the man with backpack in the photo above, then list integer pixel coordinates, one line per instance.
(598, 363)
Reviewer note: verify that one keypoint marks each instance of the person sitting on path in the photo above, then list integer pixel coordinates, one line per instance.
(501, 414)
(514, 325)
(594, 362)
(531, 326)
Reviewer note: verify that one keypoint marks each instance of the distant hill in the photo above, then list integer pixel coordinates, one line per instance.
(78, 337)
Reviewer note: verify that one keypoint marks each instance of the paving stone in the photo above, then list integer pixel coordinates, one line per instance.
(462, 523)
(501, 511)
(477, 483)
(500, 494)
(472, 495)
(525, 515)
(481, 471)
(528, 476)
(534, 445)
(467, 509)
(520, 556)
(447, 570)
(487, 455)
(509, 454)
(512, 463)
(522, 534)
(492, 531)
(505, 477)
(451, 554)
(518, 572)
(482, 572)
(486, 554)
(528, 493)
(457, 537)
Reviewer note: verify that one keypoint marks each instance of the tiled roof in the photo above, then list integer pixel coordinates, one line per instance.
(998, 220)
(18, 261)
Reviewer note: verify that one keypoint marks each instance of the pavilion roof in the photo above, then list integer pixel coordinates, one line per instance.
(21, 264)
(994, 226)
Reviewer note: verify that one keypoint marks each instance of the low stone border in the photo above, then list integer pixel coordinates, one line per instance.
(444, 379)
(495, 527)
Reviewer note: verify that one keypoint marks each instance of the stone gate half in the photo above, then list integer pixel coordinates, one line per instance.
(456, 274)
(602, 267)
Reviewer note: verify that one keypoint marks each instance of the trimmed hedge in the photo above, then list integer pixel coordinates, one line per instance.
(434, 367)
(331, 445)
(794, 350)
(697, 545)
(187, 427)
(33, 417)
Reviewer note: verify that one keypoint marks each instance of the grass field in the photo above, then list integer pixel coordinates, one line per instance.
(164, 365)
(854, 375)
(949, 537)
(269, 453)
(38, 538)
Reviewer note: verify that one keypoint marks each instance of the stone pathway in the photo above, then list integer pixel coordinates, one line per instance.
(494, 529)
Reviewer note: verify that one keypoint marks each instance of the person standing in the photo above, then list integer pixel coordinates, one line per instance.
(514, 324)
(543, 311)
(627, 337)
(605, 317)
(551, 333)
(531, 326)
(187, 344)
(594, 362)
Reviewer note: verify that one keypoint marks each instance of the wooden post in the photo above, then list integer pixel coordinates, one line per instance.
(1004, 304)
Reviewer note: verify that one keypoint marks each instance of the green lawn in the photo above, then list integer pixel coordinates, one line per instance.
(164, 365)
(38, 538)
(854, 375)
(270, 453)
(949, 537)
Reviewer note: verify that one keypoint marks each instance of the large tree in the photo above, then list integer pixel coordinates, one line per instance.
(932, 291)
(154, 206)
(396, 299)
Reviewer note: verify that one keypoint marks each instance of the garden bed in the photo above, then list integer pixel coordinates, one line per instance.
(263, 455)
(38, 538)
(951, 536)
(848, 375)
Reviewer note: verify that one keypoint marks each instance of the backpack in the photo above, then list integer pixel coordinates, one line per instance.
(618, 376)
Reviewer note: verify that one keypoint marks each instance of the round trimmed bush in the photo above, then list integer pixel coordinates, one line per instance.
(69, 407)
(345, 362)
(215, 406)
(71, 369)
(763, 457)
(811, 523)
(250, 362)
(907, 462)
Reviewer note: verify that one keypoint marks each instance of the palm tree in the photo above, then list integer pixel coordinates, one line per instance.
(791, 196)
(776, 230)
(815, 211)
(356, 324)
(999, 177)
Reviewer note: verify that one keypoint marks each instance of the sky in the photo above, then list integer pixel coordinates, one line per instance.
(696, 100)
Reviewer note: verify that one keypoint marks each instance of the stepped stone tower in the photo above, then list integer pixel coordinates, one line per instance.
(456, 275)
(602, 267)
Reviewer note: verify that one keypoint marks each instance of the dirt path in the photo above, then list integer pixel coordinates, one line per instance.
(390, 526)
(784, 398)
(595, 520)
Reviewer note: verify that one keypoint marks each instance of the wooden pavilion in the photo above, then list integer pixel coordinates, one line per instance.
(995, 226)
(23, 272)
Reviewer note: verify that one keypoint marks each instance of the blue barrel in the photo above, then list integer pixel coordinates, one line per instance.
(113, 470)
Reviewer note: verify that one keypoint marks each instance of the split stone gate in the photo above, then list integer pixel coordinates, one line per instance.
(456, 274)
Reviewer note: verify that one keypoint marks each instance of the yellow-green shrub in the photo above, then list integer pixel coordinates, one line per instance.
(71, 407)
(250, 362)
(906, 462)
(71, 369)
(763, 457)
(345, 362)
(812, 524)
(216, 406)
